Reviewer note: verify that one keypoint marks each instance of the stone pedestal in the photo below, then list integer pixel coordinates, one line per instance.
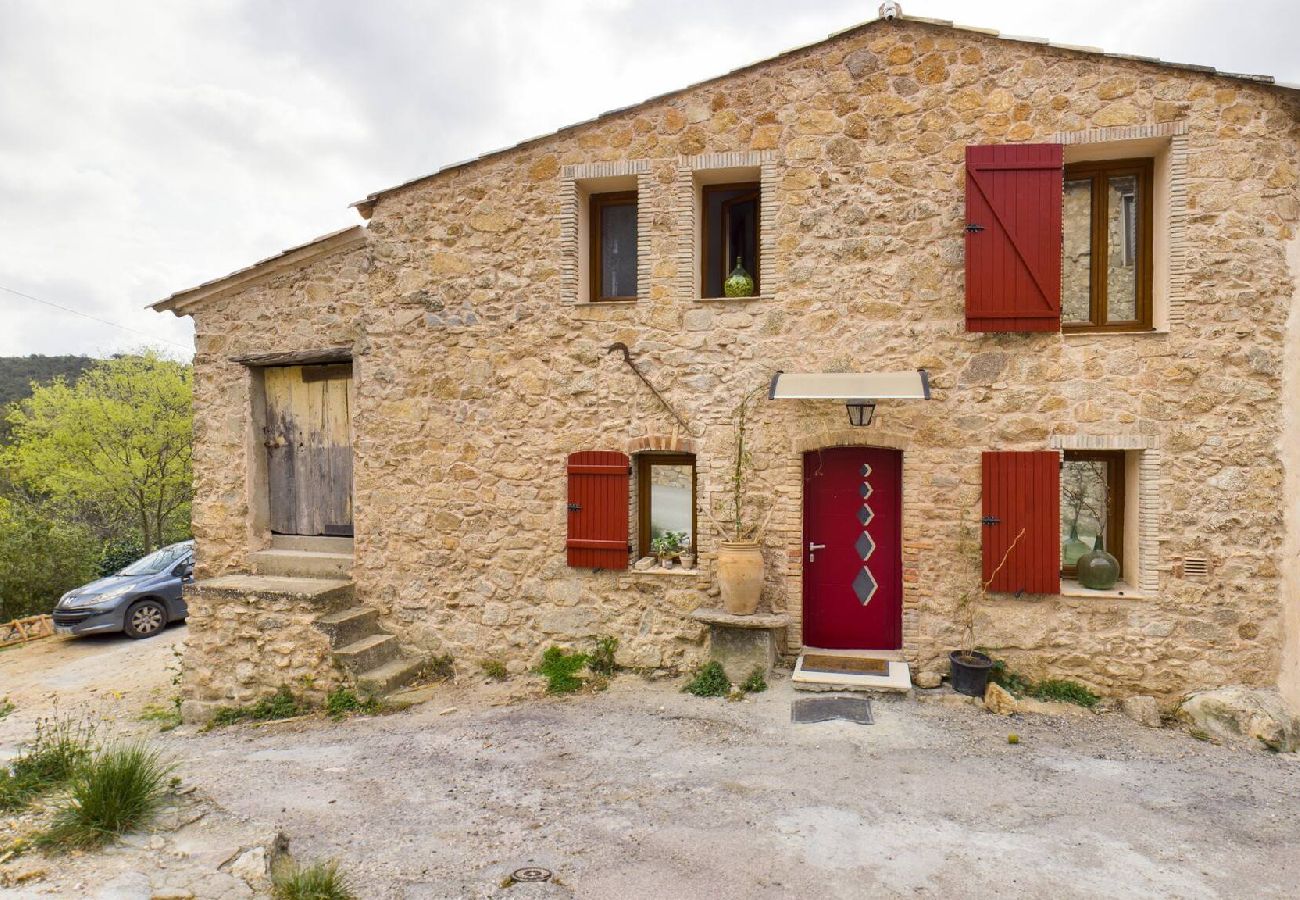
(743, 643)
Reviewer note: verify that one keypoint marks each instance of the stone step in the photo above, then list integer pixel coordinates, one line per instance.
(302, 563)
(370, 652)
(311, 543)
(349, 625)
(390, 676)
(896, 677)
(325, 593)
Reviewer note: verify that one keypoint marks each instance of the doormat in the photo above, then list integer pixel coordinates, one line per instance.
(807, 710)
(845, 665)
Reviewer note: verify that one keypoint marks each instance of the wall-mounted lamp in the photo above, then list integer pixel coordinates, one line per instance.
(860, 412)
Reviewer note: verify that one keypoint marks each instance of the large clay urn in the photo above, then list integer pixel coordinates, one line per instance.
(740, 576)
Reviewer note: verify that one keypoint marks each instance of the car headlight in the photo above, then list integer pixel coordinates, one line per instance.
(80, 602)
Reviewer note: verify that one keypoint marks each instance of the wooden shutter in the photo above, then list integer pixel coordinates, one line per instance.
(598, 512)
(1013, 237)
(1022, 491)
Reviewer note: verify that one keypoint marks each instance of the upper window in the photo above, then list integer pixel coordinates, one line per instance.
(1106, 270)
(666, 500)
(1092, 505)
(613, 246)
(730, 237)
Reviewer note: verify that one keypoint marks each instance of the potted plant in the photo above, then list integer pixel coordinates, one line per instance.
(740, 557)
(969, 668)
(667, 547)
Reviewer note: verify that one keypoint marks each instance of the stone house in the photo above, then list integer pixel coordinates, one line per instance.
(455, 428)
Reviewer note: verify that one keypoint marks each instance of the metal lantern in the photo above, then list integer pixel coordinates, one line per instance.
(860, 412)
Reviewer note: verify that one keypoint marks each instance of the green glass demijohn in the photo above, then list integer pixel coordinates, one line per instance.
(1097, 570)
(1073, 548)
(739, 283)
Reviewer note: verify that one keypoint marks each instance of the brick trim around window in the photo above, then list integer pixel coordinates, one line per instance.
(571, 179)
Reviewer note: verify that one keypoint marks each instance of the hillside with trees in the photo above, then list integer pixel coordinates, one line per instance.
(18, 372)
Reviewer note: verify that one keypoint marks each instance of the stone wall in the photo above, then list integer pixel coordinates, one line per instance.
(477, 372)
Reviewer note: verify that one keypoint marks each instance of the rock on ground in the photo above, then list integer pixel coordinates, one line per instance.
(1237, 712)
(999, 700)
(1143, 710)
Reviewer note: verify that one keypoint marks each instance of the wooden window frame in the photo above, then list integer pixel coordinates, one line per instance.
(1098, 173)
(1116, 464)
(598, 203)
(755, 189)
(644, 462)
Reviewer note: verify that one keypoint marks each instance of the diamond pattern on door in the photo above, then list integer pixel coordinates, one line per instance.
(864, 585)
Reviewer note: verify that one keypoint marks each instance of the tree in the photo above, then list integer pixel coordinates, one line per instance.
(114, 446)
(40, 558)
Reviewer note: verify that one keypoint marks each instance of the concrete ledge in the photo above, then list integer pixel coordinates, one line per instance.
(319, 589)
(714, 616)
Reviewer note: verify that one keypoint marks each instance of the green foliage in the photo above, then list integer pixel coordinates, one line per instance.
(167, 716)
(342, 702)
(668, 544)
(114, 446)
(61, 745)
(440, 668)
(494, 669)
(756, 683)
(280, 705)
(602, 658)
(118, 790)
(1014, 682)
(318, 881)
(117, 554)
(710, 681)
(18, 373)
(6, 707)
(1064, 691)
(41, 557)
(560, 670)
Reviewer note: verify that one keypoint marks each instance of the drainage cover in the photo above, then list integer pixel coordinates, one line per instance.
(823, 709)
(531, 873)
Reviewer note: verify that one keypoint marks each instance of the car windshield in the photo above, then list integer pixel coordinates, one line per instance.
(157, 561)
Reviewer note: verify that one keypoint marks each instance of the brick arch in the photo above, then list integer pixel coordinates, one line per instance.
(852, 437)
(669, 443)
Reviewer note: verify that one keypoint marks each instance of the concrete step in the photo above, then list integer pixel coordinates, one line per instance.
(311, 543)
(302, 563)
(896, 676)
(349, 625)
(390, 676)
(370, 652)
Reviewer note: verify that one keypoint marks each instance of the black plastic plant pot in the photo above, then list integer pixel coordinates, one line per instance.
(970, 672)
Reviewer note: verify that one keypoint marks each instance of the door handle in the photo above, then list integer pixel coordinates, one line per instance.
(812, 550)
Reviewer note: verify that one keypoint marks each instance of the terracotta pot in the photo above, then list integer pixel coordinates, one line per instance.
(740, 576)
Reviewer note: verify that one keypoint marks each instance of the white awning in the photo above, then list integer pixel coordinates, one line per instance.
(850, 386)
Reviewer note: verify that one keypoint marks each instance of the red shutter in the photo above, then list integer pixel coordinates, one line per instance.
(1013, 265)
(1022, 491)
(598, 511)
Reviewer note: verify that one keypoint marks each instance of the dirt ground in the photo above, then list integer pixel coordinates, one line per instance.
(643, 791)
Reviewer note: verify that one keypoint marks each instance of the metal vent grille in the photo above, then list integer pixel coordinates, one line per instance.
(1196, 567)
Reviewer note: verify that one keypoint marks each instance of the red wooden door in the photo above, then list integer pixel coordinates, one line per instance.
(852, 550)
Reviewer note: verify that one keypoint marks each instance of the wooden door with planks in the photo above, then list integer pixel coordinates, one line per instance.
(308, 437)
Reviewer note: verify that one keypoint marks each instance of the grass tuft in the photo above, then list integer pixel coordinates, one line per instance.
(1064, 691)
(343, 702)
(602, 658)
(318, 881)
(710, 681)
(560, 670)
(440, 668)
(167, 717)
(59, 748)
(6, 707)
(756, 683)
(280, 705)
(116, 791)
(494, 669)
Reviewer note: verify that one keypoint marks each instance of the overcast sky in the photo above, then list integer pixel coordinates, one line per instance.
(149, 146)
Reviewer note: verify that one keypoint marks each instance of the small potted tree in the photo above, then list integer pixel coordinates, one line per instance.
(740, 556)
(969, 668)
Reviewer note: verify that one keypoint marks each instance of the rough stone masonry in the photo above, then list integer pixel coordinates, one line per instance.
(478, 367)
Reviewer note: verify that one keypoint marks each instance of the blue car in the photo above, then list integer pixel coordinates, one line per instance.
(138, 601)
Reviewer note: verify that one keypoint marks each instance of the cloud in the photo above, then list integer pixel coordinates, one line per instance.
(146, 147)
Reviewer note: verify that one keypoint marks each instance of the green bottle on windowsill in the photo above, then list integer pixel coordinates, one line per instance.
(739, 283)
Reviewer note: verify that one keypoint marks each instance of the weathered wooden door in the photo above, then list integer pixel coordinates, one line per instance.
(852, 555)
(308, 436)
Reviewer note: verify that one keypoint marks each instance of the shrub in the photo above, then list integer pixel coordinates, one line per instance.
(59, 748)
(343, 702)
(1014, 682)
(494, 669)
(756, 683)
(440, 668)
(280, 705)
(602, 658)
(118, 790)
(1066, 692)
(560, 670)
(319, 881)
(6, 707)
(709, 681)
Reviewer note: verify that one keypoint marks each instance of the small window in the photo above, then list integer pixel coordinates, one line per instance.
(730, 234)
(666, 499)
(1092, 505)
(1106, 269)
(613, 246)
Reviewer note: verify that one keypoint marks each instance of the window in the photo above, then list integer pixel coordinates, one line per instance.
(613, 246)
(665, 499)
(1107, 257)
(1092, 505)
(729, 234)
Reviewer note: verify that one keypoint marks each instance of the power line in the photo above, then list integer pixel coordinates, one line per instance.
(77, 312)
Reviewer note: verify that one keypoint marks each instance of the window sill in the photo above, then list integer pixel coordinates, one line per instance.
(608, 303)
(749, 299)
(675, 572)
(1136, 332)
(1121, 591)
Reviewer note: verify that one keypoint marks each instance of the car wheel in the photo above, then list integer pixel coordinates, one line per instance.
(145, 619)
